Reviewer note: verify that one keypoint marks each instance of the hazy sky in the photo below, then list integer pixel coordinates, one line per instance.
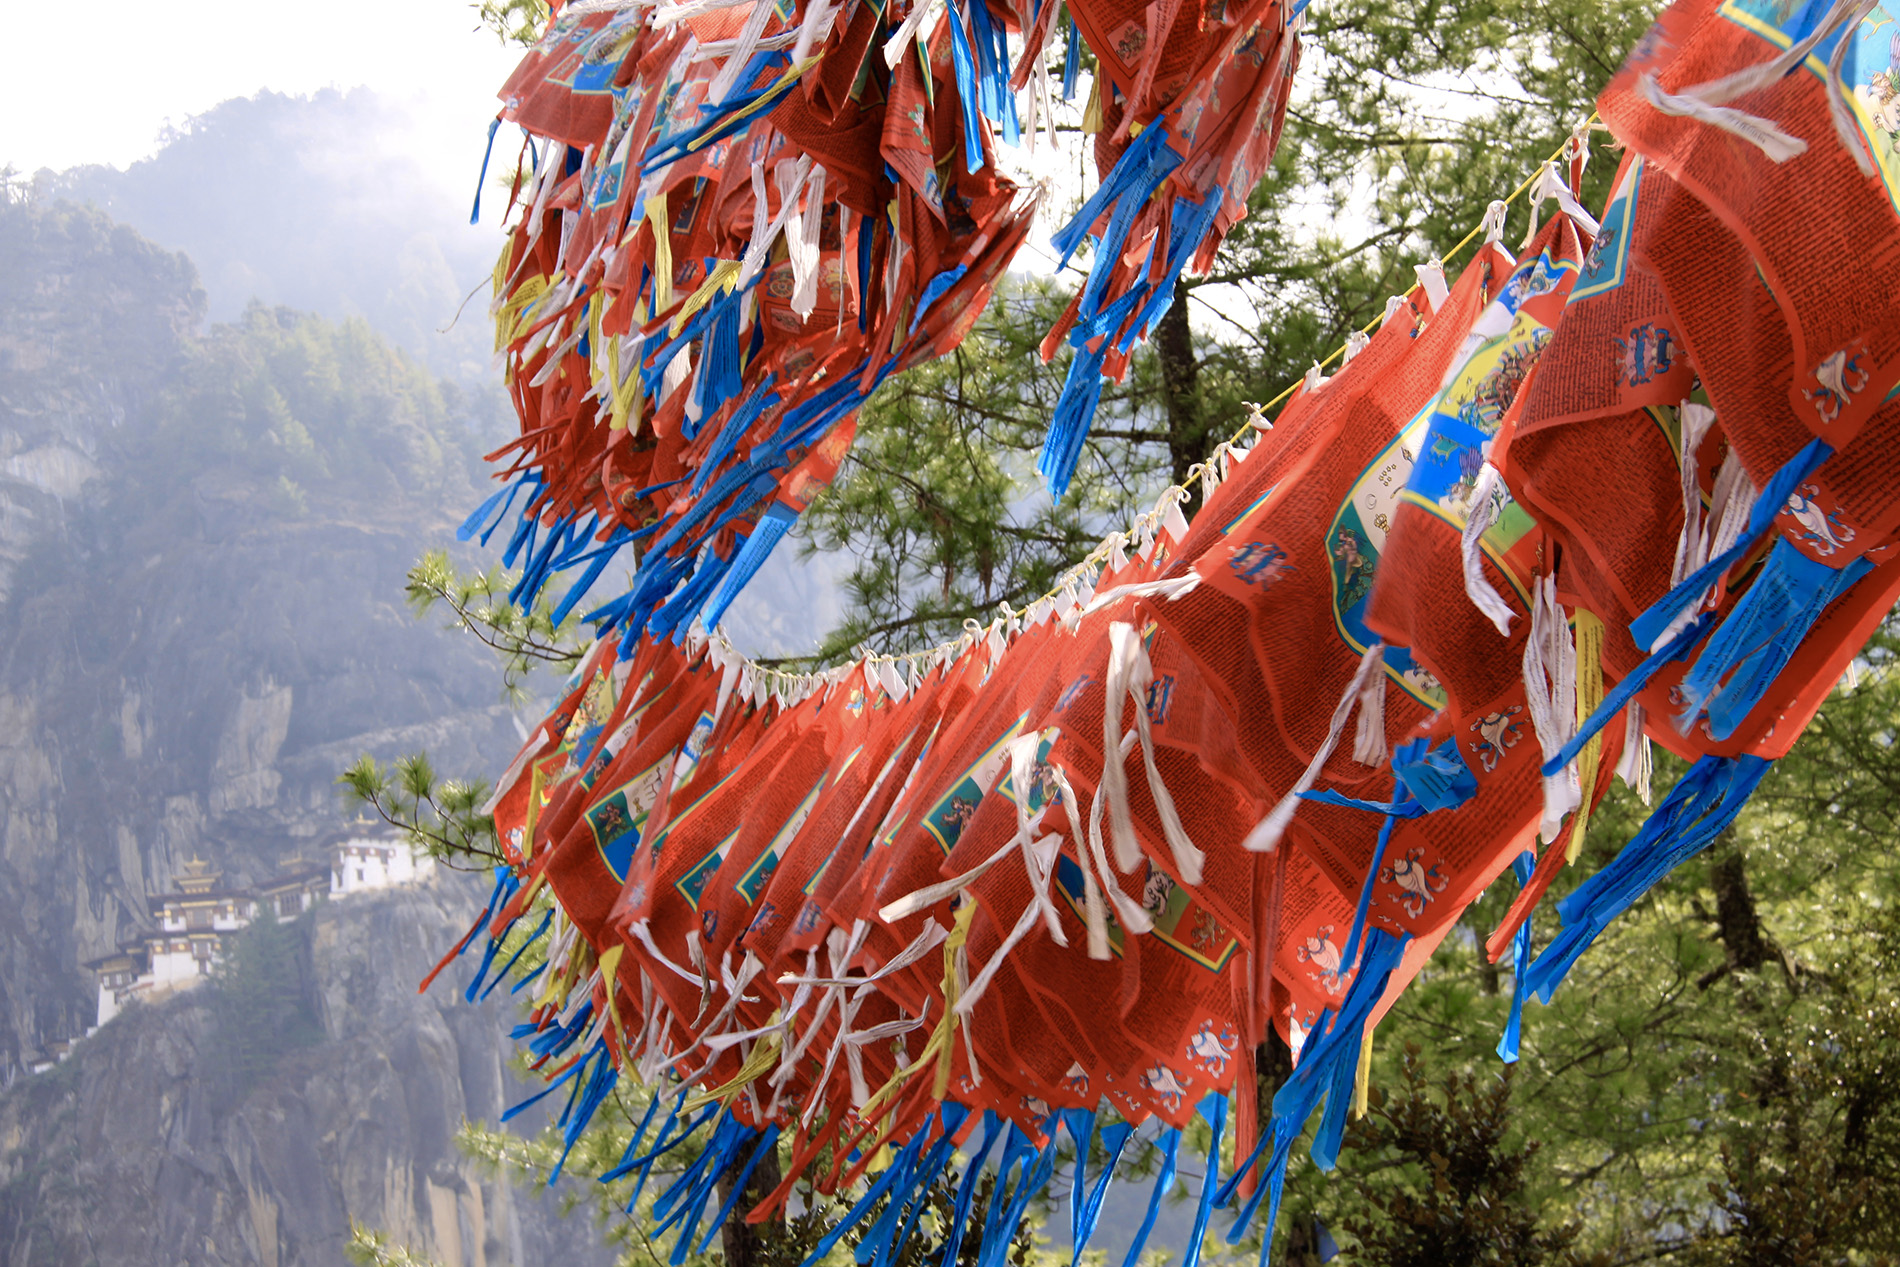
(99, 85)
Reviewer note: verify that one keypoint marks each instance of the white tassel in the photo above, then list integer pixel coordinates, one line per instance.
(1550, 694)
(1173, 522)
(1369, 746)
(1749, 79)
(672, 15)
(679, 371)
(932, 936)
(1730, 504)
(889, 1029)
(1552, 187)
(820, 16)
(1133, 915)
(714, 1030)
(1022, 777)
(1094, 908)
(1045, 856)
(1267, 832)
(1169, 588)
(758, 252)
(1757, 131)
(893, 681)
(1355, 344)
(801, 240)
(1188, 860)
(1431, 276)
(644, 936)
(900, 39)
(1488, 498)
(1129, 676)
(931, 894)
(1114, 780)
(1840, 109)
(1493, 222)
(1696, 421)
(1634, 766)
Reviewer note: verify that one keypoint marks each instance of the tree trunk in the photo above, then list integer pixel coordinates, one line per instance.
(743, 1242)
(1181, 389)
(1738, 922)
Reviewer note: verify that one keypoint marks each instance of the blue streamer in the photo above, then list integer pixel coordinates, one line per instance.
(777, 521)
(1761, 635)
(966, 1191)
(1214, 1109)
(598, 1086)
(1114, 1140)
(1071, 61)
(633, 1143)
(1615, 700)
(494, 126)
(1069, 425)
(547, 917)
(1701, 805)
(1524, 864)
(1170, 1144)
(1649, 626)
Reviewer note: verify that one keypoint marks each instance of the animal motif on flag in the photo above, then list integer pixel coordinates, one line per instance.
(1418, 884)
(1165, 1085)
(1212, 1047)
(1820, 527)
(1322, 953)
(1498, 733)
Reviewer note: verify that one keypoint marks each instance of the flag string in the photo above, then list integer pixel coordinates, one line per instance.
(1076, 579)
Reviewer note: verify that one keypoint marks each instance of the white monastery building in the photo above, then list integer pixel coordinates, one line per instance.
(191, 922)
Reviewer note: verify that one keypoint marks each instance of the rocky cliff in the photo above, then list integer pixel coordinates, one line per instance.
(203, 536)
(141, 1149)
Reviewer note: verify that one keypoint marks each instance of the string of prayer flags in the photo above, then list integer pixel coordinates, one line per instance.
(1237, 776)
(737, 220)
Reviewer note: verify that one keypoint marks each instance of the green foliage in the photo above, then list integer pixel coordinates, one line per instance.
(1714, 1083)
(441, 818)
(513, 21)
(1442, 1176)
(261, 1000)
(524, 640)
(286, 401)
(932, 499)
(371, 1248)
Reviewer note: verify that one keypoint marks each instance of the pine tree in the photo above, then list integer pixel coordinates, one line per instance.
(260, 999)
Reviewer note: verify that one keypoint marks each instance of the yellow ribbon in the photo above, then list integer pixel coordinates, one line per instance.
(1589, 699)
(757, 1065)
(609, 962)
(724, 276)
(662, 253)
(1363, 1079)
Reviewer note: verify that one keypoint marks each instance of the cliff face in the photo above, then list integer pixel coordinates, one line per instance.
(142, 1149)
(203, 536)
